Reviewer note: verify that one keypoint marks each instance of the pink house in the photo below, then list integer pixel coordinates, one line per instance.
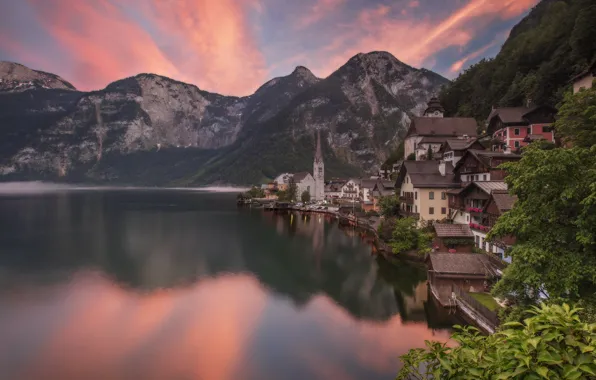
(516, 127)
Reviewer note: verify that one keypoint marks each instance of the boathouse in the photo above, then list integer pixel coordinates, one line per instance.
(453, 238)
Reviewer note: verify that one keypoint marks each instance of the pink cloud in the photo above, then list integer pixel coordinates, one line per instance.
(318, 11)
(456, 66)
(415, 41)
(414, 4)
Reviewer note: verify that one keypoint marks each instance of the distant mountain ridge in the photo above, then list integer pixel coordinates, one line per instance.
(149, 129)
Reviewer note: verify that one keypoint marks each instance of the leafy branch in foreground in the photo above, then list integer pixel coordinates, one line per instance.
(553, 343)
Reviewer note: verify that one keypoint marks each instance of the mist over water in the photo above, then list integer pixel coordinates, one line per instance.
(39, 187)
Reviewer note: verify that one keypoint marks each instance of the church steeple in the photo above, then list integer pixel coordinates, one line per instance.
(318, 152)
(318, 172)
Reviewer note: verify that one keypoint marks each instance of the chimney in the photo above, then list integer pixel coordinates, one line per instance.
(442, 168)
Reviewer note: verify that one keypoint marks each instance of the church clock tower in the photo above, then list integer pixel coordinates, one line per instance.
(319, 171)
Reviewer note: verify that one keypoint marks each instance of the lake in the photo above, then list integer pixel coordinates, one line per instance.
(164, 284)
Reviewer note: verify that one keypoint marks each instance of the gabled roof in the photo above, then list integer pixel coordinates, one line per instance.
(503, 200)
(453, 230)
(298, 177)
(590, 70)
(486, 156)
(474, 264)
(425, 174)
(459, 144)
(433, 140)
(443, 126)
(491, 186)
(368, 183)
(509, 115)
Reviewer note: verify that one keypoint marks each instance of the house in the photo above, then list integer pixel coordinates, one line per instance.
(433, 129)
(382, 189)
(452, 150)
(282, 181)
(515, 127)
(366, 188)
(454, 238)
(304, 182)
(333, 189)
(471, 272)
(423, 187)
(466, 207)
(482, 165)
(499, 202)
(351, 189)
(585, 78)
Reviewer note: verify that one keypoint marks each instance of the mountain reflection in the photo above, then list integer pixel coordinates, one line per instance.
(155, 284)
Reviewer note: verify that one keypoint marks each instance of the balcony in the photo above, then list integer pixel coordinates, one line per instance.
(479, 227)
(409, 214)
(406, 200)
(475, 210)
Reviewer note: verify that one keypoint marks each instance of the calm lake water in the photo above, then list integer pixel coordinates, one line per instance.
(184, 285)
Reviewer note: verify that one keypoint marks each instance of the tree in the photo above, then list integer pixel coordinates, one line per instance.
(389, 206)
(576, 119)
(255, 192)
(406, 237)
(553, 343)
(411, 157)
(290, 194)
(429, 153)
(305, 196)
(554, 222)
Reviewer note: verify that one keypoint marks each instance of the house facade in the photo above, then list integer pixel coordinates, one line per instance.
(453, 238)
(452, 150)
(432, 129)
(304, 182)
(423, 187)
(482, 165)
(351, 189)
(516, 127)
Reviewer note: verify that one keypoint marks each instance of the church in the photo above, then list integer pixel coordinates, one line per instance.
(313, 183)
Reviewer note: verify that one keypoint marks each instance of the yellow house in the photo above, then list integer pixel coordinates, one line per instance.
(423, 187)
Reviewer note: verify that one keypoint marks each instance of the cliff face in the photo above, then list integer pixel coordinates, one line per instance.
(150, 129)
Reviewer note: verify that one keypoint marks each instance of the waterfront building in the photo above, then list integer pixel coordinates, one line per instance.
(423, 187)
(318, 172)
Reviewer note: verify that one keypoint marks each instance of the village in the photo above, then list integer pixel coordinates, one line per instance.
(451, 183)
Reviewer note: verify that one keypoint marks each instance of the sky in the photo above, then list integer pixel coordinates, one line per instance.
(233, 46)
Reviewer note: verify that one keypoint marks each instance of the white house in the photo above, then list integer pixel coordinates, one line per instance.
(351, 189)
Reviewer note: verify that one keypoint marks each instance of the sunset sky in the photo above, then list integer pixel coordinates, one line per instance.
(234, 46)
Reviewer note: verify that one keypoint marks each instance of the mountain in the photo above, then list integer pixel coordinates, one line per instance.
(554, 42)
(15, 77)
(153, 130)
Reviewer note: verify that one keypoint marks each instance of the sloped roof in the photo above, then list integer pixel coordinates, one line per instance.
(461, 263)
(368, 183)
(490, 186)
(510, 114)
(443, 126)
(433, 140)
(453, 230)
(298, 177)
(485, 156)
(590, 70)
(504, 200)
(460, 144)
(426, 167)
(421, 180)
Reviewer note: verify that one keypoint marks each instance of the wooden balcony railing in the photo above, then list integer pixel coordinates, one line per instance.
(407, 200)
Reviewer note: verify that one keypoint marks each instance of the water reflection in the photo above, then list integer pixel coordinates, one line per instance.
(158, 285)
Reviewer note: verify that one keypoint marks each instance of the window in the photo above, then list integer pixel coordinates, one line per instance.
(529, 130)
(431, 210)
(415, 195)
(443, 195)
(467, 218)
(516, 131)
(516, 144)
(431, 195)
(484, 177)
(547, 128)
(443, 210)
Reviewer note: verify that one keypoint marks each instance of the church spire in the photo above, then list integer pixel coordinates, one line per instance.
(318, 152)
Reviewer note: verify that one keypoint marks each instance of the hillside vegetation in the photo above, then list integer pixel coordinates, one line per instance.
(555, 42)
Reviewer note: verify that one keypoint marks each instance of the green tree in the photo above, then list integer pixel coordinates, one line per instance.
(553, 343)
(429, 153)
(290, 194)
(255, 192)
(582, 39)
(407, 237)
(389, 206)
(576, 119)
(554, 222)
(411, 157)
(305, 197)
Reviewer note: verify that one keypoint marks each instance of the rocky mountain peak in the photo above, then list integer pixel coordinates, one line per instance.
(15, 77)
(304, 73)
